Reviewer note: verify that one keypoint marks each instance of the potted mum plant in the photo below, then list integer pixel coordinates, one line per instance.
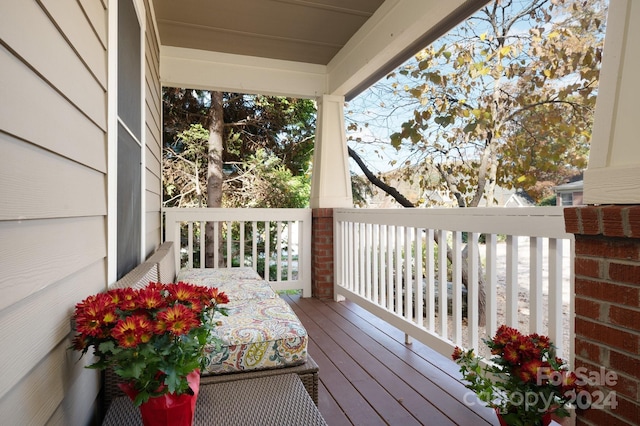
(154, 339)
(523, 381)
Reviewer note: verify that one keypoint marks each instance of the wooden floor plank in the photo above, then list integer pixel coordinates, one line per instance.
(439, 370)
(388, 372)
(330, 409)
(369, 376)
(359, 382)
(433, 393)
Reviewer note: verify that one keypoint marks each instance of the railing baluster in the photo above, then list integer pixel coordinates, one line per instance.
(408, 268)
(555, 294)
(254, 245)
(375, 247)
(216, 244)
(456, 288)
(350, 266)
(278, 250)
(367, 261)
(511, 316)
(472, 288)
(419, 283)
(203, 249)
(398, 270)
(430, 278)
(491, 284)
(442, 282)
(241, 242)
(360, 262)
(390, 281)
(267, 252)
(535, 285)
(229, 225)
(190, 245)
(290, 250)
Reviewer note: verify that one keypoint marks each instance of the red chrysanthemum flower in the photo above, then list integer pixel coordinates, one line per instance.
(528, 349)
(569, 381)
(457, 353)
(177, 319)
(145, 328)
(505, 335)
(530, 369)
(80, 343)
(127, 332)
(94, 314)
(127, 299)
(182, 292)
(150, 298)
(542, 342)
(511, 354)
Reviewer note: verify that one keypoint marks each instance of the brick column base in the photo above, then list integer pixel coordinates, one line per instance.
(607, 308)
(322, 253)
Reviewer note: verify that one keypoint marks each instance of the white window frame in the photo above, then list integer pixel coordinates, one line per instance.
(113, 121)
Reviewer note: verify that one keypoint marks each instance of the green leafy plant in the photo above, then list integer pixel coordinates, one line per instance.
(524, 380)
(152, 337)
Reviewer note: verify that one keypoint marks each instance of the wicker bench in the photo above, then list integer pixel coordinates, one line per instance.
(161, 267)
(270, 400)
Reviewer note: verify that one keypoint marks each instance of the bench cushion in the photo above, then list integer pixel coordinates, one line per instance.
(261, 330)
(258, 334)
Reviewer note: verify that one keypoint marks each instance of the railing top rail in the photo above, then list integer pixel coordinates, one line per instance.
(528, 221)
(240, 214)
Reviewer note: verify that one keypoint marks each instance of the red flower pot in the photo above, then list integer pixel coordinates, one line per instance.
(169, 409)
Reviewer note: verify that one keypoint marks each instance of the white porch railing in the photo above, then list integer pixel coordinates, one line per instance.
(275, 242)
(387, 261)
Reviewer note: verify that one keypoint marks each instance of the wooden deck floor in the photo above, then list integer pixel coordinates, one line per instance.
(369, 376)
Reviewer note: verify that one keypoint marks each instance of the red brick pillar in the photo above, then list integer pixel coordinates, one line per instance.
(607, 308)
(322, 254)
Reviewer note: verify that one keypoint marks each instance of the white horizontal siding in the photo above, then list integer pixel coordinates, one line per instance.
(70, 16)
(51, 308)
(55, 60)
(95, 11)
(37, 253)
(43, 185)
(53, 122)
(38, 114)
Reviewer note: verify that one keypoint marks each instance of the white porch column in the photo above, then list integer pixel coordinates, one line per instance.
(331, 181)
(613, 176)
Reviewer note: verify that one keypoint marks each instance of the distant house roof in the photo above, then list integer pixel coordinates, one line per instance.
(570, 187)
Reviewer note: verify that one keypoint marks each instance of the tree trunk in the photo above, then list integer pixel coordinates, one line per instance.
(214, 173)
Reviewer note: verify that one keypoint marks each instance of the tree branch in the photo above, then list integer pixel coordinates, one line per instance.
(377, 182)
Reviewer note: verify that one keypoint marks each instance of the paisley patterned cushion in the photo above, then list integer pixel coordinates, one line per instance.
(258, 334)
(261, 330)
(237, 283)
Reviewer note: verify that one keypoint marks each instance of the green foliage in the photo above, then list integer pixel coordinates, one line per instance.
(268, 146)
(551, 200)
(262, 180)
(184, 169)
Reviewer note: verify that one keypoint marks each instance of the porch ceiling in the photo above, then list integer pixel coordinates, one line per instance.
(298, 48)
(309, 31)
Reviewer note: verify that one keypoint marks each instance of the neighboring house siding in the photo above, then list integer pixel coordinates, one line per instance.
(53, 124)
(53, 187)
